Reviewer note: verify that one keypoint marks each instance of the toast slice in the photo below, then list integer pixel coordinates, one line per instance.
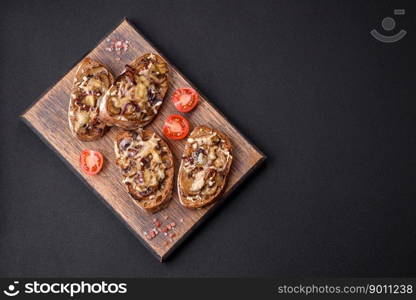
(137, 95)
(146, 164)
(205, 164)
(91, 82)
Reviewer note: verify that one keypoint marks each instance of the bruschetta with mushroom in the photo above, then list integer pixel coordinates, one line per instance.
(137, 95)
(146, 164)
(205, 164)
(91, 82)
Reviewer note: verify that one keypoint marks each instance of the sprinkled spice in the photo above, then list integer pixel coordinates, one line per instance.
(117, 47)
(152, 233)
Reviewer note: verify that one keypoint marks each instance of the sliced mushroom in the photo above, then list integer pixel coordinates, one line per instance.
(113, 109)
(221, 160)
(210, 189)
(95, 71)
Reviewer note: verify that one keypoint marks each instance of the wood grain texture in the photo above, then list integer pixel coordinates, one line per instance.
(48, 118)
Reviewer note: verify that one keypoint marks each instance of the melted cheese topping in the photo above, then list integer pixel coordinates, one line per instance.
(139, 174)
(89, 90)
(82, 118)
(198, 182)
(137, 88)
(207, 160)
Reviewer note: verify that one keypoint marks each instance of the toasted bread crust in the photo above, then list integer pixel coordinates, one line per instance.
(162, 196)
(194, 204)
(159, 91)
(96, 128)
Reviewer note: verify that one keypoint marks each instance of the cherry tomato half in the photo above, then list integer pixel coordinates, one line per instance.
(185, 99)
(91, 161)
(176, 127)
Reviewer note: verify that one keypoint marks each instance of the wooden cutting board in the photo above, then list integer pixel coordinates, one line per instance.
(48, 118)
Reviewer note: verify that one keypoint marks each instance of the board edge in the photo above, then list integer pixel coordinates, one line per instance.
(161, 257)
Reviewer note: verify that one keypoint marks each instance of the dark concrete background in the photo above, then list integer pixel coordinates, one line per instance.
(334, 110)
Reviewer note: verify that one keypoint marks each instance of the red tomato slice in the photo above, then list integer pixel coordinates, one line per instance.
(185, 99)
(176, 127)
(91, 161)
